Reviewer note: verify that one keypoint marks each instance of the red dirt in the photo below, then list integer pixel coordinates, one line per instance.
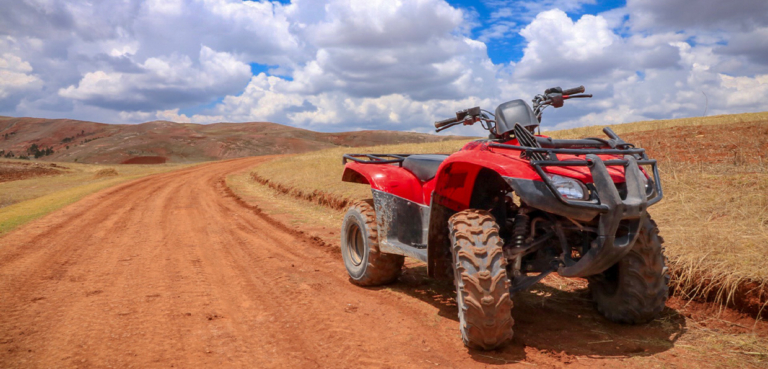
(14, 171)
(725, 143)
(172, 271)
(145, 160)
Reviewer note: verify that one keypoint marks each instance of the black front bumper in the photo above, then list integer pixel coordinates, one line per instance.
(606, 202)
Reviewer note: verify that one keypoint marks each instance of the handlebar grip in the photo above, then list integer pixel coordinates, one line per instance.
(575, 90)
(445, 122)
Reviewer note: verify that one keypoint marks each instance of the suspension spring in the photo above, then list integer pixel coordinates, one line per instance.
(520, 231)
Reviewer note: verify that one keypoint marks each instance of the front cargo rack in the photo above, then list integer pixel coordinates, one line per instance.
(375, 158)
(588, 148)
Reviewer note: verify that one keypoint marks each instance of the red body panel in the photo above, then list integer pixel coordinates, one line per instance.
(388, 178)
(456, 176)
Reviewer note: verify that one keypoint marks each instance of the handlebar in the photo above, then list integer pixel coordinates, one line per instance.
(573, 91)
(467, 116)
(445, 122)
(553, 97)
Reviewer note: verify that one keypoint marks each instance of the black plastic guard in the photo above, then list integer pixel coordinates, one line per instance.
(607, 249)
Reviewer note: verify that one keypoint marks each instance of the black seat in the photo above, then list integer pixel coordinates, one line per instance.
(424, 167)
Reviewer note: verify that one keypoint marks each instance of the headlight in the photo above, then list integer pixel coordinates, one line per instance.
(569, 187)
(648, 183)
(649, 186)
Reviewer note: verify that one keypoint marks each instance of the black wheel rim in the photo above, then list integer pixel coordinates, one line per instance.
(355, 244)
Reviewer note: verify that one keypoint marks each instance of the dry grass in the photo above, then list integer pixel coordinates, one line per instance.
(597, 131)
(106, 172)
(713, 217)
(25, 200)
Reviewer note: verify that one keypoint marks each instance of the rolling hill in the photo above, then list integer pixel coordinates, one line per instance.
(163, 141)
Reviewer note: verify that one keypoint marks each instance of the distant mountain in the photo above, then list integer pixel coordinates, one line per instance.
(89, 142)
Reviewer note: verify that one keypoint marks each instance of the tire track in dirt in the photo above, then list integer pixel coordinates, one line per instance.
(172, 271)
(168, 270)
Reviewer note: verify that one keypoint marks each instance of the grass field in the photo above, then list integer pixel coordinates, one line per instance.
(24, 200)
(714, 217)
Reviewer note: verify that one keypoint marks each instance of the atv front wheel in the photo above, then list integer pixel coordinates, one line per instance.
(635, 289)
(366, 265)
(482, 285)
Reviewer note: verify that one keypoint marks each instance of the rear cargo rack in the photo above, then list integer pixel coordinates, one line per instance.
(375, 158)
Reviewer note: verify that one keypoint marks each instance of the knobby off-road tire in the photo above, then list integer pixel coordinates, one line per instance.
(482, 285)
(367, 266)
(635, 289)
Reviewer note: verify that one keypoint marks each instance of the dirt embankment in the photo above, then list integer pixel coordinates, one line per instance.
(145, 160)
(317, 197)
(16, 170)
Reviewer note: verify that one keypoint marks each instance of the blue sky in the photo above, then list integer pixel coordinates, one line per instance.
(510, 48)
(338, 65)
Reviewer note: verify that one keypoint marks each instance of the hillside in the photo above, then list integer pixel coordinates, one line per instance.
(89, 142)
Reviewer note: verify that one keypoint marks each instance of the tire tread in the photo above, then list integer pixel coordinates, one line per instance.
(643, 281)
(381, 268)
(482, 285)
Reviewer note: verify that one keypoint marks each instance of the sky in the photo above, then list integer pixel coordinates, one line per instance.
(341, 65)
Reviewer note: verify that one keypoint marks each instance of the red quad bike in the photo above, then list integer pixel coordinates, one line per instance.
(503, 213)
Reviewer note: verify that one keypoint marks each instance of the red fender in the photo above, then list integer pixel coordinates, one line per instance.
(456, 175)
(388, 178)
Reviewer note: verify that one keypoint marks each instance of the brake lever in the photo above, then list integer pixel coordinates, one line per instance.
(443, 128)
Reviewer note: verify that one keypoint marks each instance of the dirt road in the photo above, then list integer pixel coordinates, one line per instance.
(169, 271)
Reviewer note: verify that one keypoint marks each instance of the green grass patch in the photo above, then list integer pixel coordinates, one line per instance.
(25, 200)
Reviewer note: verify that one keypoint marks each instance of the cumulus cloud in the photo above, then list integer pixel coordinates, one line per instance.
(752, 45)
(379, 64)
(163, 82)
(377, 48)
(687, 15)
(560, 48)
(15, 75)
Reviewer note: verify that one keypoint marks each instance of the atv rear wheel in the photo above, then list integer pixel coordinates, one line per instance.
(635, 289)
(366, 265)
(482, 285)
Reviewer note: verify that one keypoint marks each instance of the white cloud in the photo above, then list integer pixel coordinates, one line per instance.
(163, 81)
(745, 91)
(690, 15)
(15, 75)
(352, 64)
(588, 49)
